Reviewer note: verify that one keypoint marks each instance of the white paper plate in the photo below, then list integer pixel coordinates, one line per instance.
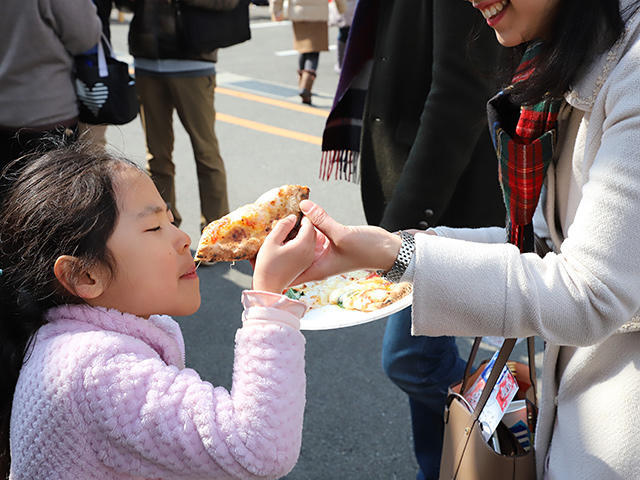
(332, 316)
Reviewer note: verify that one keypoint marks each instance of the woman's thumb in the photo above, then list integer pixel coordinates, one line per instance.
(319, 218)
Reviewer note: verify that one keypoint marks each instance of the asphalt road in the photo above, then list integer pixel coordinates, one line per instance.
(357, 422)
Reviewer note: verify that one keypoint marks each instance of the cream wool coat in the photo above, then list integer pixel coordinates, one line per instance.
(581, 300)
(302, 10)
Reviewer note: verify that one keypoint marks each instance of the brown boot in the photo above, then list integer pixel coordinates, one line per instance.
(306, 82)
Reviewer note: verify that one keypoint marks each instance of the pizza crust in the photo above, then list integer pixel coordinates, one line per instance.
(240, 234)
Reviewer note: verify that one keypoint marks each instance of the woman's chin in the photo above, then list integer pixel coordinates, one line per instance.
(508, 40)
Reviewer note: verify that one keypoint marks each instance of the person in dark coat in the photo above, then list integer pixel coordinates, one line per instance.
(425, 159)
(171, 77)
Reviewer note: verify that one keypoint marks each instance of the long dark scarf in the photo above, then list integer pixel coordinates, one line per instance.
(341, 136)
(524, 154)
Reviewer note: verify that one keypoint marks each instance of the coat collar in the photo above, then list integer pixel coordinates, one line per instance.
(160, 332)
(584, 93)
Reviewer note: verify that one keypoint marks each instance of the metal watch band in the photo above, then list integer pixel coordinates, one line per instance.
(403, 259)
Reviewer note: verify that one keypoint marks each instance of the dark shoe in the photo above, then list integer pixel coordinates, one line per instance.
(306, 83)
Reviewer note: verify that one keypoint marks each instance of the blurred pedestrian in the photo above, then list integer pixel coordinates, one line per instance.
(169, 77)
(38, 40)
(310, 37)
(426, 158)
(341, 15)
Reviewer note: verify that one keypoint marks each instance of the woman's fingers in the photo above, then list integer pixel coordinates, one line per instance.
(321, 219)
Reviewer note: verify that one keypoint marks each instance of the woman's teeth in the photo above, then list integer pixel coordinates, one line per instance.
(494, 9)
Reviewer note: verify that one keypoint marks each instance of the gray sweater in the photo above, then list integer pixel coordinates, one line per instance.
(38, 39)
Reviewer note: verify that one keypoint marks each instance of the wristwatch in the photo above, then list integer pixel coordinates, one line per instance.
(408, 247)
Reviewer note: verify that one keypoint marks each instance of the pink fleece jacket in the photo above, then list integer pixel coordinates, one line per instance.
(106, 395)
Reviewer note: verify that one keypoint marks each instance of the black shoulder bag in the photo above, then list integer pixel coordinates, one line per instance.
(201, 30)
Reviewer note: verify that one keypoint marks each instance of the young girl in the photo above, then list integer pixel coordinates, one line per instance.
(91, 264)
(570, 118)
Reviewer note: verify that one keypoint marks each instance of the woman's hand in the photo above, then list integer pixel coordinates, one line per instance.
(279, 262)
(340, 248)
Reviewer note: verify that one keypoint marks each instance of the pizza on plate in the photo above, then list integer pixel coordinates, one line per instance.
(360, 290)
(240, 234)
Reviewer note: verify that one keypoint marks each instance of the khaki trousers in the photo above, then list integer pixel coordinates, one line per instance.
(192, 98)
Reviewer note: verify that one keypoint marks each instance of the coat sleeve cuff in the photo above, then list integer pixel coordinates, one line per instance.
(267, 307)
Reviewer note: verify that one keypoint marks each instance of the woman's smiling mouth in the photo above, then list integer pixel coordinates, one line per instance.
(490, 9)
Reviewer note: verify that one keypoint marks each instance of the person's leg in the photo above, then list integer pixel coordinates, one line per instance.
(156, 114)
(311, 60)
(194, 97)
(310, 65)
(343, 35)
(423, 367)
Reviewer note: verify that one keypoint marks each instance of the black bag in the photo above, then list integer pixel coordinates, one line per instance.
(201, 30)
(106, 92)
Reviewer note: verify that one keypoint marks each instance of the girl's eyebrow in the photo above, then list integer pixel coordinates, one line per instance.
(153, 210)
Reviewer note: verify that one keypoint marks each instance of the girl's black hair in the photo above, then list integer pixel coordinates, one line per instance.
(580, 30)
(58, 203)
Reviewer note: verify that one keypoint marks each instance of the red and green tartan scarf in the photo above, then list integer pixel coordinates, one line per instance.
(524, 152)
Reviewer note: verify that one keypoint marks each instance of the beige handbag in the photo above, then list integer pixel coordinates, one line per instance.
(465, 453)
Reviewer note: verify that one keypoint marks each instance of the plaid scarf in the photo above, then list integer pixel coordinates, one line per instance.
(341, 136)
(525, 155)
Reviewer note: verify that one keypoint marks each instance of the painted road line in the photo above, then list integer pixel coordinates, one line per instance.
(288, 53)
(272, 101)
(263, 127)
(257, 25)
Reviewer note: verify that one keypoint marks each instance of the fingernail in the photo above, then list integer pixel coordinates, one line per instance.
(305, 206)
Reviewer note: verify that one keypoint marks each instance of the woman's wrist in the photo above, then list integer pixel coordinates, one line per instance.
(390, 249)
(402, 259)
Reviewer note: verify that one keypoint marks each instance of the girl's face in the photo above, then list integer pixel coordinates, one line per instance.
(154, 270)
(518, 21)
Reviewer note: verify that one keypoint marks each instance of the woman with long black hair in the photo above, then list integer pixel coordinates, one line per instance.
(567, 134)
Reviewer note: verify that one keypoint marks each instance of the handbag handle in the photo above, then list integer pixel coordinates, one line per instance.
(103, 70)
(503, 356)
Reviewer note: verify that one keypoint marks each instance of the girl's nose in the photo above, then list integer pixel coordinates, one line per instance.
(183, 240)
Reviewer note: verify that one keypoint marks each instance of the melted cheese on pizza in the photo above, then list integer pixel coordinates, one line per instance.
(360, 290)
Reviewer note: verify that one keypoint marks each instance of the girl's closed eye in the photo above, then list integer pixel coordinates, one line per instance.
(154, 229)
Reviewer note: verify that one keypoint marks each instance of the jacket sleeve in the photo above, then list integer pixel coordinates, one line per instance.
(214, 4)
(76, 23)
(481, 235)
(578, 296)
(148, 419)
(453, 117)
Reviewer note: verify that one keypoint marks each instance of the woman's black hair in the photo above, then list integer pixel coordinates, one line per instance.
(61, 202)
(580, 30)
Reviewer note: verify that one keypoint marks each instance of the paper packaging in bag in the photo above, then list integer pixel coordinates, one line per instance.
(499, 400)
(515, 419)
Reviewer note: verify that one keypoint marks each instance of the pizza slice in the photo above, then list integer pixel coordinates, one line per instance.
(240, 234)
(360, 290)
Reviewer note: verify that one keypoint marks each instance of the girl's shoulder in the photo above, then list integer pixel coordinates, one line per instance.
(82, 332)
